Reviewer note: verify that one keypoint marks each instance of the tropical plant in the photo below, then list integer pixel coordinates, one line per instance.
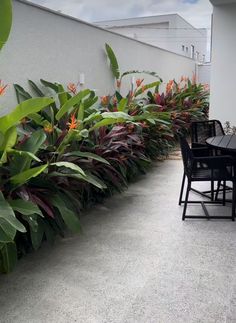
(5, 21)
(118, 75)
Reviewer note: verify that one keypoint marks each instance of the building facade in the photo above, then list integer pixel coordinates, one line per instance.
(223, 71)
(170, 32)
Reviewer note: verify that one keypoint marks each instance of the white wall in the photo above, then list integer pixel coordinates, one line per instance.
(46, 45)
(204, 73)
(223, 70)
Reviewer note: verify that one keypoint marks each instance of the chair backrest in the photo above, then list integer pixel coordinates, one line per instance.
(201, 130)
(187, 155)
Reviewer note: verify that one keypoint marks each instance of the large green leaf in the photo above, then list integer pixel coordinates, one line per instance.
(37, 233)
(8, 216)
(21, 178)
(25, 207)
(70, 218)
(21, 94)
(147, 86)
(113, 61)
(22, 110)
(53, 86)
(30, 147)
(69, 165)
(141, 72)
(34, 143)
(75, 100)
(117, 115)
(5, 20)
(36, 89)
(8, 256)
(87, 155)
(122, 104)
(89, 178)
(22, 153)
(107, 122)
(80, 115)
(9, 141)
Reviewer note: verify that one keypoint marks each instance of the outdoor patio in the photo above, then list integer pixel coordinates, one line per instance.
(135, 261)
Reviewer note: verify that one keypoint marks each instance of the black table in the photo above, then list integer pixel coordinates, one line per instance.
(226, 143)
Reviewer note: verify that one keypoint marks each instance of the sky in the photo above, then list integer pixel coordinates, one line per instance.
(196, 12)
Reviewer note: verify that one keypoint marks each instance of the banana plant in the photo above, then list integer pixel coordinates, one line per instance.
(5, 21)
(118, 75)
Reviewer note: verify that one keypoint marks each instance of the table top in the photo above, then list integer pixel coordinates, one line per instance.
(227, 142)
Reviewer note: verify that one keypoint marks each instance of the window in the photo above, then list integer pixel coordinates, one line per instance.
(186, 49)
(183, 48)
(192, 51)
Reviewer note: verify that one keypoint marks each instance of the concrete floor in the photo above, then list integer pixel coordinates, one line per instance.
(136, 261)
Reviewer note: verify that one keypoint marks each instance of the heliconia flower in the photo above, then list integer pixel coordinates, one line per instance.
(73, 122)
(118, 83)
(48, 128)
(104, 100)
(194, 78)
(2, 88)
(72, 87)
(131, 94)
(143, 88)
(169, 86)
(139, 82)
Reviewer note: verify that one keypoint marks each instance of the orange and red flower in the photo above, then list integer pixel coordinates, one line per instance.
(48, 128)
(73, 122)
(139, 82)
(104, 100)
(2, 87)
(169, 86)
(72, 87)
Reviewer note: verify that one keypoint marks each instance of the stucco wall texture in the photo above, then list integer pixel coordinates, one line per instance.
(223, 69)
(48, 45)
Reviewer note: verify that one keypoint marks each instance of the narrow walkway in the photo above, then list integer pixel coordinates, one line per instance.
(136, 261)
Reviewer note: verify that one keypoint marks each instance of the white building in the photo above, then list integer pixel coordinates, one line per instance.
(223, 71)
(170, 32)
(47, 44)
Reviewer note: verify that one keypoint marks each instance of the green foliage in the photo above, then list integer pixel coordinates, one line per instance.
(22, 111)
(60, 155)
(113, 61)
(5, 21)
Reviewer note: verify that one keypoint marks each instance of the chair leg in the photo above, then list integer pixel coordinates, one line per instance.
(217, 190)
(233, 201)
(224, 191)
(182, 189)
(212, 190)
(186, 200)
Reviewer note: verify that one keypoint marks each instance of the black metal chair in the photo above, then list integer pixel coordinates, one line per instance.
(201, 130)
(216, 168)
